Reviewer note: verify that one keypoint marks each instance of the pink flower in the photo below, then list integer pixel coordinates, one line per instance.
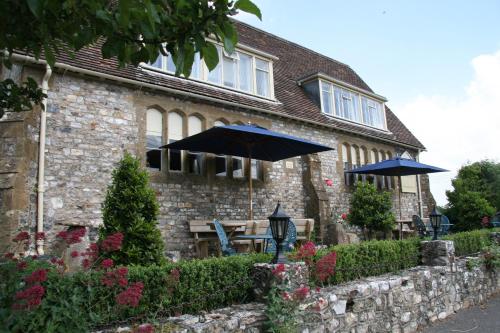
(107, 263)
(74, 254)
(306, 253)
(21, 237)
(343, 216)
(286, 296)
(9, 255)
(131, 296)
(29, 298)
(22, 265)
(113, 242)
(40, 235)
(72, 236)
(279, 271)
(329, 182)
(40, 275)
(325, 267)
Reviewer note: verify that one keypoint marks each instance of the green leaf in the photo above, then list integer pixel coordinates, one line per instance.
(49, 55)
(211, 55)
(230, 37)
(249, 7)
(35, 7)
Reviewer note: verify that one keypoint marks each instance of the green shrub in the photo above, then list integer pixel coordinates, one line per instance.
(77, 302)
(470, 242)
(371, 209)
(373, 258)
(131, 208)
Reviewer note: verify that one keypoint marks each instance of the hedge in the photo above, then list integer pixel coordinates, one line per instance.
(470, 242)
(75, 302)
(372, 258)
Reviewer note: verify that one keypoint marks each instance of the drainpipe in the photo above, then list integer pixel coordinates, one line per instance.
(419, 191)
(41, 159)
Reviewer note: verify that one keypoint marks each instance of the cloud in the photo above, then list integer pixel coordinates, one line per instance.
(457, 130)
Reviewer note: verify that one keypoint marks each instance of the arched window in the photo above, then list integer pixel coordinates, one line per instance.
(345, 163)
(383, 179)
(354, 156)
(363, 156)
(175, 133)
(238, 164)
(194, 159)
(390, 180)
(373, 156)
(220, 160)
(154, 138)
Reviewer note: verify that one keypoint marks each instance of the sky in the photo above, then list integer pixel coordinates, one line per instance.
(437, 62)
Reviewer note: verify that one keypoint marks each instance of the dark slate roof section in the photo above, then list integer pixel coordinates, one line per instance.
(294, 62)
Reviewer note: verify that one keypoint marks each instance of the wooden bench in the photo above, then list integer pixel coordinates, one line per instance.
(204, 233)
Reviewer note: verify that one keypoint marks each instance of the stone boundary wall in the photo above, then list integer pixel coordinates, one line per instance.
(401, 302)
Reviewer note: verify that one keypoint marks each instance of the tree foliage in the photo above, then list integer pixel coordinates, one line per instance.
(133, 31)
(131, 208)
(475, 194)
(371, 209)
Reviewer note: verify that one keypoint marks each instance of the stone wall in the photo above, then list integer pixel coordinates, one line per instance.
(90, 123)
(394, 303)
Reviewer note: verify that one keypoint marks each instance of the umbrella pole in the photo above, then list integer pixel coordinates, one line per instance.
(250, 209)
(400, 211)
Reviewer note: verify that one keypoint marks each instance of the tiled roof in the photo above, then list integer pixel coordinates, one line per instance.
(294, 62)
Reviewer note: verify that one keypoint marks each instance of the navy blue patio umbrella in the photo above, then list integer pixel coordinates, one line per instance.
(397, 167)
(250, 141)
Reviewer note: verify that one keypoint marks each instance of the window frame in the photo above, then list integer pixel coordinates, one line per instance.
(204, 72)
(352, 93)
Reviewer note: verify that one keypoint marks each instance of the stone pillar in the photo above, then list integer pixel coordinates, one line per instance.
(293, 275)
(438, 253)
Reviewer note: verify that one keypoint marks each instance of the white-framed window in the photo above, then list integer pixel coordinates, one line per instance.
(241, 71)
(194, 159)
(175, 133)
(154, 139)
(347, 104)
(220, 160)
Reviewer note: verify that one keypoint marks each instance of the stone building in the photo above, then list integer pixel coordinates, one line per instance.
(96, 111)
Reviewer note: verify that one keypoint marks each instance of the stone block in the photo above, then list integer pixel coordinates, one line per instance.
(438, 253)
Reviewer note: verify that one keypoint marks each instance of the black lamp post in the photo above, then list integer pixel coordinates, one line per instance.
(435, 218)
(278, 222)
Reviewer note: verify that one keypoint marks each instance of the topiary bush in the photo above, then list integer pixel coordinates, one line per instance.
(371, 209)
(131, 208)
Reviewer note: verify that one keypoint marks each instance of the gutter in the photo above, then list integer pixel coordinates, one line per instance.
(41, 159)
(75, 69)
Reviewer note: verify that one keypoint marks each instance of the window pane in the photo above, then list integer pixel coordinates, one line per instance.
(229, 66)
(195, 162)
(196, 69)
(220, 160)
(262, 83)
(338, 104)
(215, 76)
(174, 157)
(327, 98)
(262, 64)
(238, 167)
(158, 62)
(154, 127)
(256, 169)
(245, 72)
(170, 64)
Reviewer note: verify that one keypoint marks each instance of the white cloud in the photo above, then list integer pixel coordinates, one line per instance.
(456, 130)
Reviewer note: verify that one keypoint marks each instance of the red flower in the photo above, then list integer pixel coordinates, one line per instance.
(113, 242)
(9, 255)
(343, 216)
(329, 182)
(21, 237)
(144, 328)
(131, 296)
(325, 267)
(22, 265)
(74, 254)
(86, 263)
(118, 276)
(62, 234)
(29, 298)
(40, 275)
(306, 253)
(72, 236)
(301, 293)
(279, 270)
(107, 263)
(40, 235)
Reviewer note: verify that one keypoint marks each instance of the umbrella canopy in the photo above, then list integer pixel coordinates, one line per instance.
(251, 141)
(248, 141)
(397, 167)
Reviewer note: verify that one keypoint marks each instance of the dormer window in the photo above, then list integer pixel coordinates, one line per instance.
(344, 101)
(240, 71)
